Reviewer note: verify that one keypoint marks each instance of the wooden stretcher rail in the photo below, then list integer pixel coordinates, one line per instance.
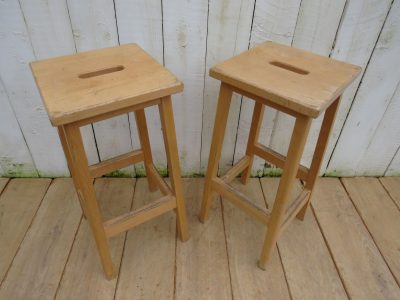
(162, 185)
(236, 169)
(277, 159)
(240, 200)
(116, 163)
(129, 220)
(295, 207)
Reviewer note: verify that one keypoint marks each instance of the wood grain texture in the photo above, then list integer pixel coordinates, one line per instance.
(380, 215)
(244, 238)
(305, 256)
(204, 252)
(19, 201)
(364, 273)
(39, 263)
(185, 34)
(374, 110)
(144, 247)
(392, 186)
(141, 22)
(273, 21)
(83, 276)
(229, 26)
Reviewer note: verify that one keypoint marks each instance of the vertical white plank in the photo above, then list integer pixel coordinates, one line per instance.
(50, 33)
(316, 29)
(140, 22)
(358, 32)
(372, 103)
(229, 26)
(185, 30)
(15, 55)
(94, 26)
(394, 167)
(274, 21)
(15, 158)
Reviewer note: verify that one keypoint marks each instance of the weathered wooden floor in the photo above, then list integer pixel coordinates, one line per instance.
(347, 247)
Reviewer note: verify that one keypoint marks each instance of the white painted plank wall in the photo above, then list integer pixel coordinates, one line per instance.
(189, 37)
(372, 118)
(275, 21)
(94, 26)
(140, 22)
(229, 26)
(15, 157)
(185, 34)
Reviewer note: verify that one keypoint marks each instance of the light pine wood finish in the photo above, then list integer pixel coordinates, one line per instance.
(330, 248)
(299, 80)
(98, 85)
(87, 84)
(292, 81)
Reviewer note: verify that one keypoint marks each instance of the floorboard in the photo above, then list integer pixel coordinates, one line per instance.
(18, 205)
(361, 266)
(347, 246)
(392, 186)
(148, 264)
(201, 263)
(83, 276)
(380, 215)
(305, 256)
(38, 265)
(244, 239)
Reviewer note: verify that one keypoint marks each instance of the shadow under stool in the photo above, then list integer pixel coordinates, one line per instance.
(92, 86)
(298, 83)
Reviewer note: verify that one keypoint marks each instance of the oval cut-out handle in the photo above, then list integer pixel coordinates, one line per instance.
(289, 67)
(101, 72)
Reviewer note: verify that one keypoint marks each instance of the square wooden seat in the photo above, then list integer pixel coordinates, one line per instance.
(96, 85)
(84, 85)
(293, 81)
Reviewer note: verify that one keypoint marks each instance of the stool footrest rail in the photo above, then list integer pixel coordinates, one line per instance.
(129, 220)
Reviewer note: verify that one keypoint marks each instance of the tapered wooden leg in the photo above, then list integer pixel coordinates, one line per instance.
(145, 143)
(84, 186)
(320, 148)
(256, 122)
(167, 121)
(71, 166)
(296, 147)
(221, 118)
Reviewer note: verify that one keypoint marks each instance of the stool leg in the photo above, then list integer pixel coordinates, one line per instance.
(167, 121)
(71, 166)
(256, 122)
(296, 147)
(221, 118)
(320, 148)
(84, 186)
(145, 143)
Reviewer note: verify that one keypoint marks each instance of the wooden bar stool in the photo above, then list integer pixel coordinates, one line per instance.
(89, 87)
(292, 81)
